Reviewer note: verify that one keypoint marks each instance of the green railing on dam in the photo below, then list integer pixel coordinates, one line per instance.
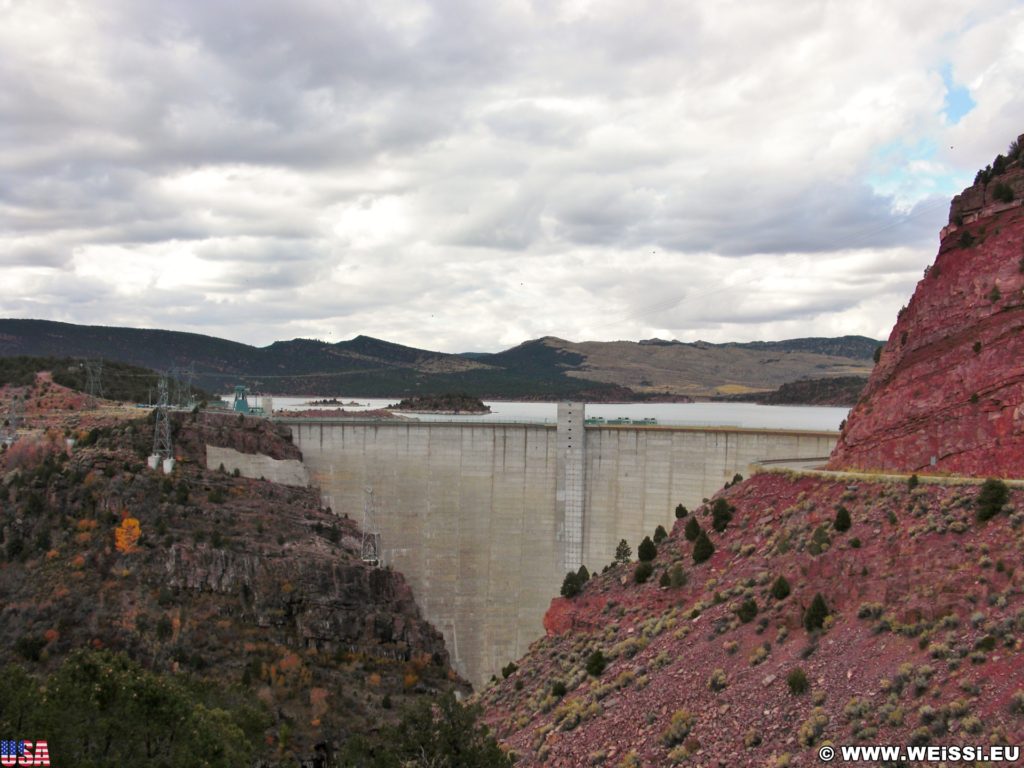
(552, 424)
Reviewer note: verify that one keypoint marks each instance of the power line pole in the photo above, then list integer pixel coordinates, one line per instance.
(371, 551)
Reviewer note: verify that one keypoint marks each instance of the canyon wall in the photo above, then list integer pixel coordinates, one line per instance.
(947, 395)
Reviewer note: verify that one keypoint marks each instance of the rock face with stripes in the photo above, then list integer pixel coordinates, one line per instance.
(947, 394)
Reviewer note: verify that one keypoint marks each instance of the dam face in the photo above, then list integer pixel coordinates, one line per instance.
(484, 519)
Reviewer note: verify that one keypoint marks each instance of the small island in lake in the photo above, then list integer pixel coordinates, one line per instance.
(332, 401)
(450, 403)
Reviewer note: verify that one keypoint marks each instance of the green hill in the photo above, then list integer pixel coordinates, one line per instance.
(540, 369)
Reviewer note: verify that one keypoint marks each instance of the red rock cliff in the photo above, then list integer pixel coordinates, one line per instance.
(948, 392)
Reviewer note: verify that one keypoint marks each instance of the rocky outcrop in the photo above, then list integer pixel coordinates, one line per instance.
(245, 434)
(947, 394)
(314, 598)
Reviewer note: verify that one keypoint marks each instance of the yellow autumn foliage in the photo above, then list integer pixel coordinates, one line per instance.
(127, 535)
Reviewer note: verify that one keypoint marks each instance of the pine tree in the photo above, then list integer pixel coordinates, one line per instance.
(993, 495)
(623, 553)
(681, 512)
(747, 610)
(842, 522)
(692, 529)
(583, 575)
(647, 551)
(571, 585)
(814, 616)
(702, 548)
(780, 588)
(643, 571)
(721, 514)
(660, 534)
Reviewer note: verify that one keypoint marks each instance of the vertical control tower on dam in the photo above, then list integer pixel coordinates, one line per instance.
(485, 518)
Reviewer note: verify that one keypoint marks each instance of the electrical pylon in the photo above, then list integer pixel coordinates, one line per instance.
(94, 378)
(162, 425)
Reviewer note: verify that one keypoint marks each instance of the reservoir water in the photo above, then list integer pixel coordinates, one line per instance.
(747, 415)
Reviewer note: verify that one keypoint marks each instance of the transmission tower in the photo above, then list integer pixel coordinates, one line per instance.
(371, 534)
(94, 378)
(181, 379)
(13, 420)
(16, 414)
(162, 425)
(189, 375)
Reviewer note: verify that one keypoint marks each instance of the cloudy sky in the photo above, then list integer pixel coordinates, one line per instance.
(463, 175)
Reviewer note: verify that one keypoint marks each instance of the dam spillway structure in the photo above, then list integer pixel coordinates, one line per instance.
(570, 479)
(484, 518)
(370, 551)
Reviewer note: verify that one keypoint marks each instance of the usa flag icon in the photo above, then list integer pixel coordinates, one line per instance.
(19, 752)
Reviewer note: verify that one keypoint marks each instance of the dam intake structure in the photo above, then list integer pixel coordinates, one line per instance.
(484, 519)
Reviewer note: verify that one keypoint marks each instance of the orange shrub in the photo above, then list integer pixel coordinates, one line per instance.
(126, 535)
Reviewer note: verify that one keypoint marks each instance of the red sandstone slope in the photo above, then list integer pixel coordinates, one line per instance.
(926, 602)
(922, 644)
(948, 392)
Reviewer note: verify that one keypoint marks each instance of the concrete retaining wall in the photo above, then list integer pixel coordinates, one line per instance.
(256, 465)
(469, 512)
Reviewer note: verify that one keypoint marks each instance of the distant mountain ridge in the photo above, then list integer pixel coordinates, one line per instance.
(545, 368)
(856, 347)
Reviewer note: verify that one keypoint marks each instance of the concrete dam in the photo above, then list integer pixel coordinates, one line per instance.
(484, 519)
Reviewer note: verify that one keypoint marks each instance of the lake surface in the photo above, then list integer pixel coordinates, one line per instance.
(748, 415)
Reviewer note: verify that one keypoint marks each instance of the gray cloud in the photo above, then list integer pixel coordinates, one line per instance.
(461, 176)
